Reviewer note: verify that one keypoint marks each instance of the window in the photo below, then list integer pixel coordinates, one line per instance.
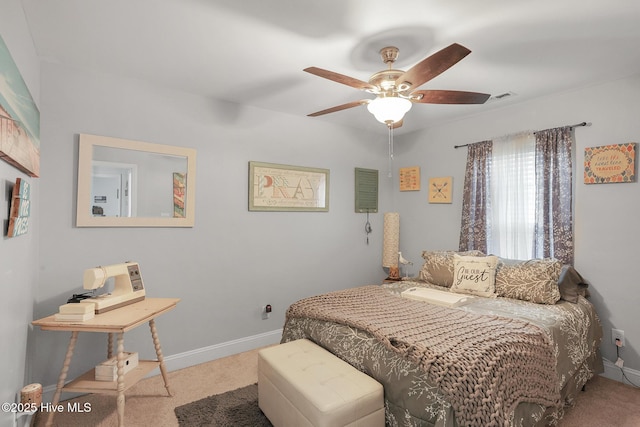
(517, 200)
(512, 216)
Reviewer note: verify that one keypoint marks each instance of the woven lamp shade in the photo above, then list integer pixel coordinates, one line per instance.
(391, 239)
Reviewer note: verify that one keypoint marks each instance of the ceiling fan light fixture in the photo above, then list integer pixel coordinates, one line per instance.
(389, 109)
(396, 89)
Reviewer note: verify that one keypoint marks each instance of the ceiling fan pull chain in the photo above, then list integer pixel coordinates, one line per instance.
(390, 173)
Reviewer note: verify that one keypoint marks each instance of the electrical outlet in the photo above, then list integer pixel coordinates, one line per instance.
(265, 311)
(617, 334)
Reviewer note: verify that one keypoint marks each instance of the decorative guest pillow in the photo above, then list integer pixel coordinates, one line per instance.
(475, 275)
(571, 284)
(438, 266)
(534, 280)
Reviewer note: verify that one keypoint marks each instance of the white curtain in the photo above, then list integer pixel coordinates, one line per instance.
(513, 197)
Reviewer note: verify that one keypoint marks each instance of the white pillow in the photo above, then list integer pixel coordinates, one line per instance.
(475, 275)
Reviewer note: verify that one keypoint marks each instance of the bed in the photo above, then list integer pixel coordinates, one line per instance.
(509, 357)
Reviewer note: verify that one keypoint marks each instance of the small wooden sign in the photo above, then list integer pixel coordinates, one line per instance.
(179, 187)
(610, 163)
(410, 179)
(20, 209)
(440, 189)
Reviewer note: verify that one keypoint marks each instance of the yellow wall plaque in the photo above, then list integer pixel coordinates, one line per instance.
(410, 179)
(440, 189)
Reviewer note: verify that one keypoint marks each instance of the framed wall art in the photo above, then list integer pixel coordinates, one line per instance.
(410, 178)
(19, 119)
(610, 164)
(275, 187)
(440, 189)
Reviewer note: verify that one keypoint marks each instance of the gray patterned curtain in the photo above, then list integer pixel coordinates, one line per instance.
(554, 214)
(475, 198)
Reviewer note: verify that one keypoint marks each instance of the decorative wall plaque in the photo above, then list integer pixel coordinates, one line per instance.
(440, 189)
(20, 209)
(610, 163)
(275, 187)
(410, 179)
(366, 190)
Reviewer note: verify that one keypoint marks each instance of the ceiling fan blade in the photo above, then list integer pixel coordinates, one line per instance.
(339, 108)
(341, 78)
(449, 97)
(432, 66)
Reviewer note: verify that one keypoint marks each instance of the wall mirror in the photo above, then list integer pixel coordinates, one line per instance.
(123, 183)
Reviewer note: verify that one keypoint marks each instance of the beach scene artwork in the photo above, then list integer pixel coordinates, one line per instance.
(19, 118)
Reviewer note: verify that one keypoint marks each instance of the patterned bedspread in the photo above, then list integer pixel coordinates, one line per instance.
(415, 398)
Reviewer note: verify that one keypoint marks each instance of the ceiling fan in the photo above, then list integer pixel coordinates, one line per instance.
(395, 90)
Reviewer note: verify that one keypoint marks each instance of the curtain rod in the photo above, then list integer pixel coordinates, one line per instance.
(571, 126)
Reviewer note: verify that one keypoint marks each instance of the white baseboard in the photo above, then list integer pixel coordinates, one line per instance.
(612, 372)
(196, 357)
(217, 351)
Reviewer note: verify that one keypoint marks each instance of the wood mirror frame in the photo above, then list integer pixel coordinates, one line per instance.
(84, 216)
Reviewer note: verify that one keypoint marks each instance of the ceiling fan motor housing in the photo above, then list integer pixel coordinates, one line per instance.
(386, 80)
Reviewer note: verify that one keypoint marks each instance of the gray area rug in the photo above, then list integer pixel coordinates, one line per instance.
(235, 408)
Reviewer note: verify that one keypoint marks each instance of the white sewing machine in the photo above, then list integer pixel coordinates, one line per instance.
(128, 287)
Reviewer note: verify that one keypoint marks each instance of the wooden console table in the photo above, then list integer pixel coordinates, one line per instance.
(118, 322)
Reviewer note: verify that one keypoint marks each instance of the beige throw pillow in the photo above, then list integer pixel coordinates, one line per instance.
(534, 280)
(475, 275)
(438, 266)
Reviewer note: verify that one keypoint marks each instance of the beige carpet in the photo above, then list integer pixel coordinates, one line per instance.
(604, 403)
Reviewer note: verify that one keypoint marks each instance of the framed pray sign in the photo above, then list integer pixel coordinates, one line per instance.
(275, 187)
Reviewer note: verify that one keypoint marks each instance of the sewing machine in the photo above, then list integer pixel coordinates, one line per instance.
(128, 287)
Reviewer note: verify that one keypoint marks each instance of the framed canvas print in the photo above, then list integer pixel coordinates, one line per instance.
(19, 118)
(276, 187)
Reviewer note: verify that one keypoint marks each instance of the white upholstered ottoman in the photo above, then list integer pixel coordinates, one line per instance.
(301, 384)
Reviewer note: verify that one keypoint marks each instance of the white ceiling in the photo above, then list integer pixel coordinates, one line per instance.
(253, 51)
